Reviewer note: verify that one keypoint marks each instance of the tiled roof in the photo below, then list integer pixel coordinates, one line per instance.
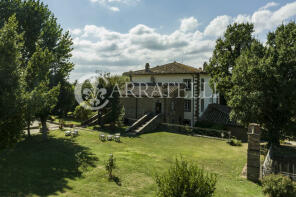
(219, 114)
(171, 68)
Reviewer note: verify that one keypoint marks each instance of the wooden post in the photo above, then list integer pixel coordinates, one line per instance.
(253, 158)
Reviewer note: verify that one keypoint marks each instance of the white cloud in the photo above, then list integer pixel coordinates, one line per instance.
(113, 4)
(263, 19)
(100, 48)
(75, 32)
(269, 5)
(114, 9)
(188, 24)
(218, 26)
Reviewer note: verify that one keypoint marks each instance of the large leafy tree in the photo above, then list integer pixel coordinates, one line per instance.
(37, 80)
(11, 116)
(264, 82)
(237, 38)
(40, 28)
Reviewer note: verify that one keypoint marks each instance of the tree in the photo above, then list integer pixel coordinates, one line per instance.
(11, 116)
(30, 106)
(116, 84)
(41, 30)
(81, 113)
(264, 82)
(48, 98)
(237, 38)
(37, 79)
(66, 101)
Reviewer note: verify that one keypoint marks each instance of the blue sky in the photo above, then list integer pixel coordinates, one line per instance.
(121, 35)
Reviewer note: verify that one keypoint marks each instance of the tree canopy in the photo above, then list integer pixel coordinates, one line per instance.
(38, 59)
(263, 84)
(11, 116)
(237, 38)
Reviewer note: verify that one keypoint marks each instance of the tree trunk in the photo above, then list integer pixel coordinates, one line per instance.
(44, 128)
(28, 129)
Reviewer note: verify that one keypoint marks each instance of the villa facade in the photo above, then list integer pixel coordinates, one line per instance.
(176, 108)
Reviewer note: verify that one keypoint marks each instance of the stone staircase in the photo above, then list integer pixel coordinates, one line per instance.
(146, 123)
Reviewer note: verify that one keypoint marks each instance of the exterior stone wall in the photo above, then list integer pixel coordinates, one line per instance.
(171, 108)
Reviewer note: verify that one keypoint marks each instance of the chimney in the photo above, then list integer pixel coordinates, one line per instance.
(147, 67)
(204, 66)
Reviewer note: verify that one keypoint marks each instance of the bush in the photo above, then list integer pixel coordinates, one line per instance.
(235, 142)
(110, 165)
(210, 125)
(186, 180)
(81, 113)
(278, 186)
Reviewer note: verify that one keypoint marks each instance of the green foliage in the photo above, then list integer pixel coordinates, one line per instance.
(46, 51)
(66, 100)
(264, 82)
(110, 165)
(81, 113)
(204, 124)
(237, 38)
(186, 180)
(279, 186)
(235, 142)
(113, 112)
(11, 116)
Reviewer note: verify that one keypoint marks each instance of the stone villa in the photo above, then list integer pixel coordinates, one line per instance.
(197, 94)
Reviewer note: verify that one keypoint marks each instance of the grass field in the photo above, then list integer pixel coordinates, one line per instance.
(52, 168)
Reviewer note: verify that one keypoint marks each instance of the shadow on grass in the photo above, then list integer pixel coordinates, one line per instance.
(37, 167)
(113, 130)
(116, 180)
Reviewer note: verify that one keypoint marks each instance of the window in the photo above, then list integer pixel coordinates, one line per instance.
(202, 84)
(202, 105)
(187, 83)
(187, 122)
(187, 105)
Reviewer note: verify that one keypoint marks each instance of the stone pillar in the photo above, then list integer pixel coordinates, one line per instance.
(253, 159)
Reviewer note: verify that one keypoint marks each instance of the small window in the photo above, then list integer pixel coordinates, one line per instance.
(187, 105)
(202, 105)
(187, 122)
(202, 84)
(187, 83)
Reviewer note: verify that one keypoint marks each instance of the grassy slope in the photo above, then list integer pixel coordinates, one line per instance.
(45, 169)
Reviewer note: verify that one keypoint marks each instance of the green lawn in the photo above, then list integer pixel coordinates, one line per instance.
(37, 168)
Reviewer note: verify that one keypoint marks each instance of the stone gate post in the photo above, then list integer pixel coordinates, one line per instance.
(253, 158)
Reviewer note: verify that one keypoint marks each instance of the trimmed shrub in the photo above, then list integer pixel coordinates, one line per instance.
(278, 186)
(81, 113)
(186, 180)
(235, 142)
